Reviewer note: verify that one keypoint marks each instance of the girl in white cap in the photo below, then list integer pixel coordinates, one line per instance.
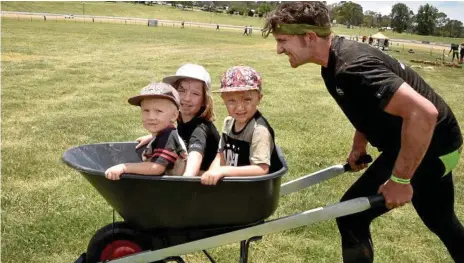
(195, 122)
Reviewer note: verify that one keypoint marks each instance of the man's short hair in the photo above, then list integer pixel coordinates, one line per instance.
(310, 13)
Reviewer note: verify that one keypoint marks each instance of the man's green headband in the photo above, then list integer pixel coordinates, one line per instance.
(301, 29)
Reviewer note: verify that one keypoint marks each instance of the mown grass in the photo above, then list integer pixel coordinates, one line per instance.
(67, 84)
(131, 10)
(171, 13)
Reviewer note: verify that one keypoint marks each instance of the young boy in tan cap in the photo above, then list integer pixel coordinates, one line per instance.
(166, 153)
(246, 147)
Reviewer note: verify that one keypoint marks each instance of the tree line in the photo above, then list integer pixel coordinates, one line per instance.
(427, 21)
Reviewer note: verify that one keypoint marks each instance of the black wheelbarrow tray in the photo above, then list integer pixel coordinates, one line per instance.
(169, 216)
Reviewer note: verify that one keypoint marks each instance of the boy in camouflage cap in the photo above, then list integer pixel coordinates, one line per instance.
(246, 147)
(166, 153)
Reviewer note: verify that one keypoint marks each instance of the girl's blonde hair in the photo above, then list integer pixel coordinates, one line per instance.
(208, 113)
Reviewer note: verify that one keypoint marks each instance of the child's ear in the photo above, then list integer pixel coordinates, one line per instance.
(260, 96)
(175, 116)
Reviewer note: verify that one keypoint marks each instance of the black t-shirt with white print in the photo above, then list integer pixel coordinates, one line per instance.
(254, 144)
(200, 135)
(167, 149)
(363, 79)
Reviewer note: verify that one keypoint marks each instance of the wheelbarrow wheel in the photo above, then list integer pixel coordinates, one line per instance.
(115, 241)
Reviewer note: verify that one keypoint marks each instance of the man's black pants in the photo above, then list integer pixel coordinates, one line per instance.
(433, 200)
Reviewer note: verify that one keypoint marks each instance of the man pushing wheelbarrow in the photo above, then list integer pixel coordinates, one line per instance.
(392, 108)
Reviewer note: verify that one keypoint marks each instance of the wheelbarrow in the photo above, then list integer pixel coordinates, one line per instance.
(169, 216)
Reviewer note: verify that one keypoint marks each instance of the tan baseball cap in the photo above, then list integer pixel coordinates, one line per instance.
(157, 90)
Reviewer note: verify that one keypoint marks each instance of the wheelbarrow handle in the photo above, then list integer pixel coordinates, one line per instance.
(377, 201)
(362, 160)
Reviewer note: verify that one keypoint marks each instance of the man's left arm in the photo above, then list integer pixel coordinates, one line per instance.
(419, 119)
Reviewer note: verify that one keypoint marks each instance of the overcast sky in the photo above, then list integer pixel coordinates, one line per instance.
(454, 10)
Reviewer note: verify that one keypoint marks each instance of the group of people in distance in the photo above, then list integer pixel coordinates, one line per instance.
(458, 54)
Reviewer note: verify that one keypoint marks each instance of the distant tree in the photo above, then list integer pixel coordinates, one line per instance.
(440, 23)
(400, 17)
(454, 28)
(442, 19)
(333, 8)
(239, 7)
(350, 13)
(386, 21)
(426, 19)
(264, 8)
(369, 19)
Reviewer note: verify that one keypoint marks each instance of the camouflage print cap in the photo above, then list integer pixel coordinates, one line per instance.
(240, 78)
(156, 90)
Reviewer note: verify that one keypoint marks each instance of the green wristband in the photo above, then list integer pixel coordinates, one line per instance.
(399, 180)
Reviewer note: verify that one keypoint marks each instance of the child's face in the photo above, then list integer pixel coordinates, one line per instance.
(191, 97)
(242, 105)
(157, 114)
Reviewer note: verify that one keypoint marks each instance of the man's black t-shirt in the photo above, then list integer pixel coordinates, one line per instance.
(200, 135)
(363, 79)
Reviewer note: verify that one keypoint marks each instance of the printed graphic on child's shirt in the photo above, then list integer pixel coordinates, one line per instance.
(231, 155)
(236, 152)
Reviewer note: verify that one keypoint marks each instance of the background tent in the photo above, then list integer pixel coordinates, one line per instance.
(379, 36)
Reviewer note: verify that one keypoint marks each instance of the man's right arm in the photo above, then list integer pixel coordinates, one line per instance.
(357, 150)
(359, 140)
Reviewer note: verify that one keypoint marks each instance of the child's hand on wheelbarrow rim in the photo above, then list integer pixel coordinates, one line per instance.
(211, 177)
(115, 172)
(143, 140)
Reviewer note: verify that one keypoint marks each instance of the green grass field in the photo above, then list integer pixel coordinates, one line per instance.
(131, 10)
(67, 84)
(170, 13)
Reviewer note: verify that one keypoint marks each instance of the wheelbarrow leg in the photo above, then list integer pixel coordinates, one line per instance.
(81, 259)
(244, 248)
(211, 259)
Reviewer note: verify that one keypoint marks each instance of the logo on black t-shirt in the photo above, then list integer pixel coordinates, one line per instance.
(339, 91)
(380, 92)
(231, 154)
(402, 65)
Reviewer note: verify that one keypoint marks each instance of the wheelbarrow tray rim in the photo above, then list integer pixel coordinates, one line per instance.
(68, 160)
